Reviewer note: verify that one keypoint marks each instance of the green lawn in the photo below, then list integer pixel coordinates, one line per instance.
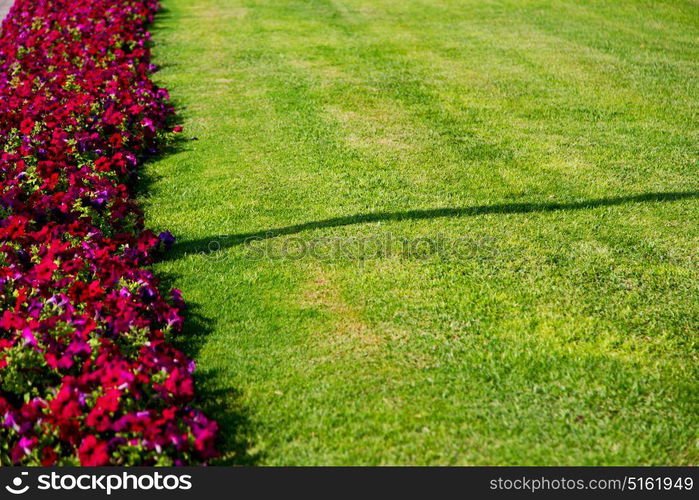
(502, 201)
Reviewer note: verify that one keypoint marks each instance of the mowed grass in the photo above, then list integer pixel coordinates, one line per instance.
(503, 206)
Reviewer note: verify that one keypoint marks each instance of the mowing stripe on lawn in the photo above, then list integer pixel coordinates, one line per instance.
(503, 200)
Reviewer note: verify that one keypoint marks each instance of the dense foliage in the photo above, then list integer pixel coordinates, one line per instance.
(87, 373)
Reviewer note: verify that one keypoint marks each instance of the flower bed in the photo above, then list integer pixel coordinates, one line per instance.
(87, 373)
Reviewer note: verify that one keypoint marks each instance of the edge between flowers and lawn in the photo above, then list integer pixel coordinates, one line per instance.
(88, 372)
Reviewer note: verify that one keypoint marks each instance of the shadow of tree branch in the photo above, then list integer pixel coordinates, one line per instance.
(181, 249)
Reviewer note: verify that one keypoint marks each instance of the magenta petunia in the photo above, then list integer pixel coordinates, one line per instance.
(88, 373)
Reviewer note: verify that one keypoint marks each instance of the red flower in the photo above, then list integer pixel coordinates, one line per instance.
(110, 401)
(99, 419)
(48, 456)
(93, 452)
(179, 385)
(26, 126)
(65, 405)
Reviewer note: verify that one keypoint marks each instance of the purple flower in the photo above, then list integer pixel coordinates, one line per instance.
(167, 239)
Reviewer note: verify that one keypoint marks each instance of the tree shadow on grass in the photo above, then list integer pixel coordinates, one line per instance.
(214, 396)
(221, 242)
(223, 403)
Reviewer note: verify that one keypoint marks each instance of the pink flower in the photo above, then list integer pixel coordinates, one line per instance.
(22, 448)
